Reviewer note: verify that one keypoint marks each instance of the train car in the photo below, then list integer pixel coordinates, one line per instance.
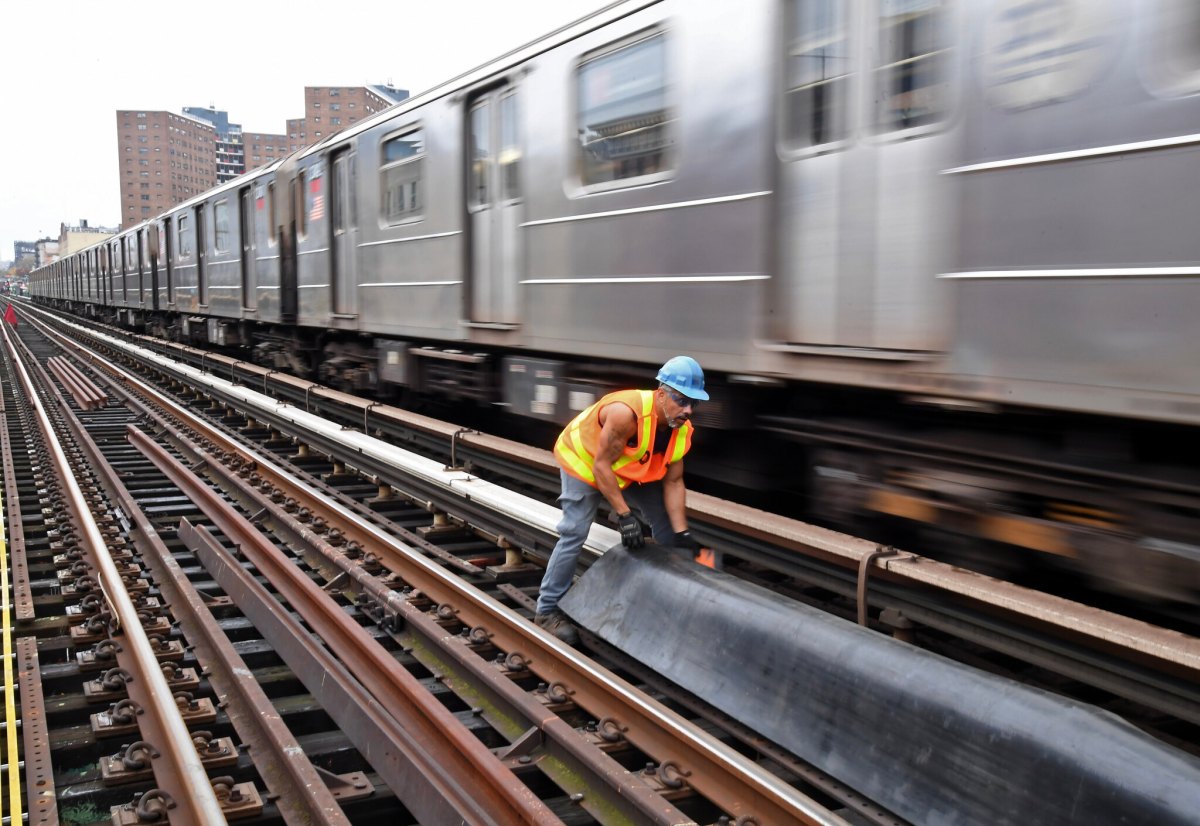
(1070, 278)
(934, 257)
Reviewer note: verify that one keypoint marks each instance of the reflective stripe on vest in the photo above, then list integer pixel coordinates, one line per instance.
(636, 464)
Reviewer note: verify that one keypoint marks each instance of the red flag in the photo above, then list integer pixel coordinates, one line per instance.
(10, 315)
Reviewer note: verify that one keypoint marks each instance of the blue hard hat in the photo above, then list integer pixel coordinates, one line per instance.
(683, 373)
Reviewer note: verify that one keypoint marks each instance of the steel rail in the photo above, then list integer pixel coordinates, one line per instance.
(22, 588)
(1099, 629)
(1138, 643)
(462, 769)
(39, 773)
(41, 800)
(179, 771)
(364, 721)
(1170, 649)
(716, 771)
(81, 398)
(303, 797)
(1143, 644)
(572, 762)
(10, 701)
(82, 381)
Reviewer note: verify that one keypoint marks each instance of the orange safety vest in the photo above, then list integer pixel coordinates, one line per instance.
(576, 446)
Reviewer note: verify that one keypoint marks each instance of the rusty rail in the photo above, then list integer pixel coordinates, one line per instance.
(303, 796)
(178, 769)
(730, 780)
(1099, 630)
(87, 395)
(715, 771)
(453, 764)
(561, 751)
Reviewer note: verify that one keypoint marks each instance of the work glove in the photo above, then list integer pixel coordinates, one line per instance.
(686, 542)
(631, 530)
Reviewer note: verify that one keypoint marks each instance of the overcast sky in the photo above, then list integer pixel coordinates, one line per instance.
(69, 66)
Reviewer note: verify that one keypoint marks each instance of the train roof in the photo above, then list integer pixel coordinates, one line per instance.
(570, 31)
(232, 183)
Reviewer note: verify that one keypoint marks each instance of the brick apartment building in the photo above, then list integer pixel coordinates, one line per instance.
(164, 159)
(167, 158)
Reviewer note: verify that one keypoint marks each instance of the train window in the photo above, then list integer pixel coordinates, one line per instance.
(817, 72)
(314, 196)
(481, 159)
(910, 77)
(403, 159)
(297, 202)
(183, 234)
(623, 119)
(221, 225)
(1175, 48)
(510, 148)
(272, 230)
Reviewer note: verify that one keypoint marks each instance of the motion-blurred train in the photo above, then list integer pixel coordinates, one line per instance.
(938, 259)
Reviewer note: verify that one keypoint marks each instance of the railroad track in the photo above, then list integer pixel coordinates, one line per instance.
(445, 593)
(424, 690)
(1133, 660)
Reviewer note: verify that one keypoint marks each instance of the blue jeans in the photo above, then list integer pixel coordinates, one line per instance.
(579, 502)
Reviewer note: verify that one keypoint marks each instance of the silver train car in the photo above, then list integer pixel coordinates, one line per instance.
(940, 249)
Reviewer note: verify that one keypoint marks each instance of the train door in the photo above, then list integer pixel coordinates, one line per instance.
(201, 257)
(341, 229)
(143, 266)
(492, 161)
(133, 271)
(246, 218)
(289, 240)
(102, 274)
(865, 219)
(264, 279)
(117, 270)
(169, 259)
(153, 248)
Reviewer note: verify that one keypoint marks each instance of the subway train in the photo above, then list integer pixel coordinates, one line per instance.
(937, 258)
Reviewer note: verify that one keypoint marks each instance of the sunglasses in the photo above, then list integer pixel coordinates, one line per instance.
(681, 400)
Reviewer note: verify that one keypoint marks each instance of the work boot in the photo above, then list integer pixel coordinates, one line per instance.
(556, 623)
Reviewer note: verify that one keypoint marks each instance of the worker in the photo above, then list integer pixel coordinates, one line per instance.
(626, 449)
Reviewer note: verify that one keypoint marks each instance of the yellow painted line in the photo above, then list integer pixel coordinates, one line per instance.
(10, 705)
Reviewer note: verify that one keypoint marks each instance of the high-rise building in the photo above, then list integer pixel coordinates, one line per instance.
(164, 160)
(167, 158)
(263, 148)
(329, 109)
(231, 160)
